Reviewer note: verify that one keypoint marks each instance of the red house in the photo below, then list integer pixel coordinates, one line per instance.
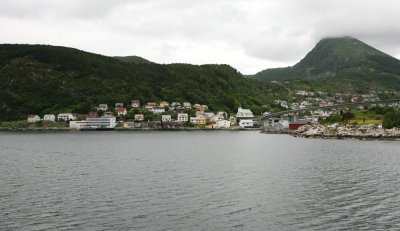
(152, 104)
(295, 125)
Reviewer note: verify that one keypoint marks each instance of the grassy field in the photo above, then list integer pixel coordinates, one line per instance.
(363, 118)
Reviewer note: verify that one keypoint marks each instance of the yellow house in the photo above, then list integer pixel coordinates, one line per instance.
(199, 120)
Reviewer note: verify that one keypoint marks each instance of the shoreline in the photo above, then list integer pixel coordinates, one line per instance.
(322, 133)
(123, 129)
(366, 137)
(348, 137)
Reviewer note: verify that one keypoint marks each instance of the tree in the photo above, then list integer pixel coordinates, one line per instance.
(392, 119)
(100, 112)
(347, 116)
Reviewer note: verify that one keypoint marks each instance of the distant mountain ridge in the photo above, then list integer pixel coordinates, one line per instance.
(338, 58)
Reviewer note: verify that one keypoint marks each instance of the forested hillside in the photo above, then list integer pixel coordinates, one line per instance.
(39, 79)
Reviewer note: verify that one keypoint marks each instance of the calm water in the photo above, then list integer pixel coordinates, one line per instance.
(196, 181)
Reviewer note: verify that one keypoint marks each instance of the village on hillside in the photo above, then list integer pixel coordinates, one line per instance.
(176, 115)
(153, 115)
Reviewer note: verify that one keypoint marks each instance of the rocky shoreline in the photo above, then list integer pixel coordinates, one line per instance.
(337, 131)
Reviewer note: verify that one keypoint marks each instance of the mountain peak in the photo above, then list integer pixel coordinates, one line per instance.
(334, 56)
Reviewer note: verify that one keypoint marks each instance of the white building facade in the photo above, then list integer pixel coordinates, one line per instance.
(244, 114)
(33, 118)
(166, 118)
(223, 124)
(183, 117)
(102, 122)
(66, 116)
(49, 117)
(246, 123)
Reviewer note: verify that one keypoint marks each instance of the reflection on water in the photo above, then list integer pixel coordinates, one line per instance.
(196, 180)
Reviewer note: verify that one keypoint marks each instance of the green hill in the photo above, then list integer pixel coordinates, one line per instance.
(39, 79)
(343, 61)
(132, 59)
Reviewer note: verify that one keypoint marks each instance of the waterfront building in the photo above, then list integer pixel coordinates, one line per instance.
(66, 116)
(244, 114)
(33, 118)
(49, 117)
(223, 124)
(166, 118)
(246, 123)
(296, 124)
(221, 115)
(198, 120)
(102, 122)
(183, 117)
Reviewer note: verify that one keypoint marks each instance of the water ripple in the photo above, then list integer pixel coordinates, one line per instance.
(159, 181)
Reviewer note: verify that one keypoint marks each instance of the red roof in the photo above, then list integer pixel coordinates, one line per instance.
(121, 109)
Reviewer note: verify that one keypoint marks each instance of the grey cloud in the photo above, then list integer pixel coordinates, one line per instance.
(250, 35)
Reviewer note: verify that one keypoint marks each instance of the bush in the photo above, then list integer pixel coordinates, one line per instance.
(392, 119)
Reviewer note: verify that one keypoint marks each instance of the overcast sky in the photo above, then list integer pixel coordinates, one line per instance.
(250, 35)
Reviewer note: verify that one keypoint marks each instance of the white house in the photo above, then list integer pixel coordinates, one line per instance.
(102, 107)
(209, 115)
(157, 110)
(49, 117)
(244, 114)
(246, 123)
(175, 104)
(117, 105)
(166, 118)
(183, 117)
(223, 124)
(33, 118)
(135, 103)
(66, 116)
(187, 105)
(200, 107)
(164, 104)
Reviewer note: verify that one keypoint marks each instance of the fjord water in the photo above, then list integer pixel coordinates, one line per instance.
(196, 181)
